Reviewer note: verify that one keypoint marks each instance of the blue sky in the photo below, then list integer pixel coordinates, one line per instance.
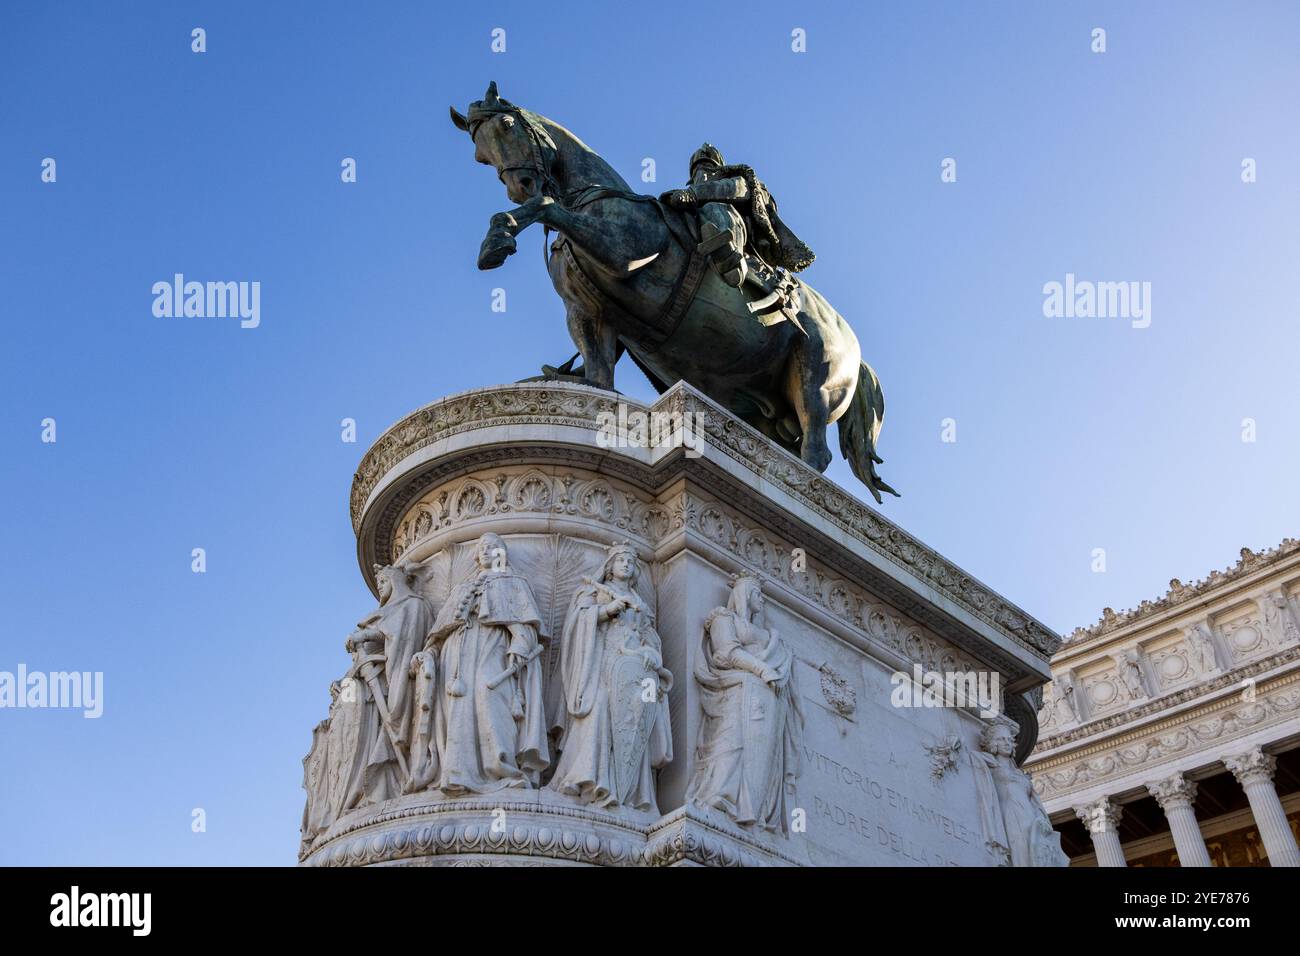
(1072, 434)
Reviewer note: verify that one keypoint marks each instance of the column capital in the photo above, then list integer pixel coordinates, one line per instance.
(1253, 766)
(1100, 815)
(1173, 792)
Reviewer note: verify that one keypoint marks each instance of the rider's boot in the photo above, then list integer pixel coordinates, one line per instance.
(720, 246)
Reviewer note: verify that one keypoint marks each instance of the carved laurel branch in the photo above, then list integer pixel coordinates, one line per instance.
(1240, 720)
(576, 405)
(551, 833)
(532, 492)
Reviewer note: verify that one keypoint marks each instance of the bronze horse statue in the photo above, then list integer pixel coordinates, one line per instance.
(632, 279)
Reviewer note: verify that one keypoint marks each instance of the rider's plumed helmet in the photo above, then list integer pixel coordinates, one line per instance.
(708, 153)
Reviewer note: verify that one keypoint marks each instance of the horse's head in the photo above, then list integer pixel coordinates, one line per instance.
(512, 140)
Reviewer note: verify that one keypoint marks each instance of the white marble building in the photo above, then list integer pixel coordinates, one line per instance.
(1169, 734)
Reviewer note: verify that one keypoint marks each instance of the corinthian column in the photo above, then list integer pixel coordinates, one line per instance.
(1175, 795)
(1101, 817)
(1254, 771)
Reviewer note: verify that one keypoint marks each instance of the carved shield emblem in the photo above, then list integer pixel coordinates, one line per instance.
(632, 719)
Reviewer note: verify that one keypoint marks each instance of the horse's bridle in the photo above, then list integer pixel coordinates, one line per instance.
(539, 141)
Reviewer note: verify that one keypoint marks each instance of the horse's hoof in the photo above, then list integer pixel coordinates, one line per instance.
(495, 251)
(821, 459)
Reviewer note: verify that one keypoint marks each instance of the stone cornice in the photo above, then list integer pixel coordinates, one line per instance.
(560, 405)
(550, 403)
(1180, 594)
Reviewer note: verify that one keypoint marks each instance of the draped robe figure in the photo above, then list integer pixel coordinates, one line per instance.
(315, 773)
(488, 721)
(748, 753)
(354, 754)
(1201, 647)
(334, 770)
(352, 719)
(615, 729)
(1277, 618)
(1063, 700)
(383, 645)
(1015, 824)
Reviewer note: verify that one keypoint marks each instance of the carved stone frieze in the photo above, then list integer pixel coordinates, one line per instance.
(558, 405)
(1055, 735)
(623, 510)
(533, 492)
(1238, 716)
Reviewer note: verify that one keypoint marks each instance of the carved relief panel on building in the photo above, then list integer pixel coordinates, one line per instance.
(1180, 658)
(1062, 707)
(1245, 635)
(1280, 622)
(1104, 689)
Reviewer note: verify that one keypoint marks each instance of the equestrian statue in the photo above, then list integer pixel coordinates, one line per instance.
(696, 284)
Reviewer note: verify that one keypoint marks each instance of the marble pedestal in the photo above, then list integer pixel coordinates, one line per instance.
(859, 602)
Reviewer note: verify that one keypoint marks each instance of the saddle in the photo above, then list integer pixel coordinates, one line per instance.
(773, 294)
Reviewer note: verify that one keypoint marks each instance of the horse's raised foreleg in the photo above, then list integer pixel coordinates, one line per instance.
(618, 244)
(499, 243)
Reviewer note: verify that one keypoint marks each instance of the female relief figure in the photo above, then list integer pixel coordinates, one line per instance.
(382, 647)
(615, 730)
(1016, 828)
(748, 753)
(360, 753)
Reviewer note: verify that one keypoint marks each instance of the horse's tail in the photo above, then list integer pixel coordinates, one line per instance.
(859, 429)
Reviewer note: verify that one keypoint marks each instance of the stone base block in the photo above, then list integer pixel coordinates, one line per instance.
(854, 612)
